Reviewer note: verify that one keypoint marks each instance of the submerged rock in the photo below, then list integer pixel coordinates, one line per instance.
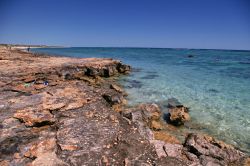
(173, 102)
(134, 84)
(190, 56)
(150, 76)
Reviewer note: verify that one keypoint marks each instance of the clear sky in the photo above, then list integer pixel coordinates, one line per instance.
(127, 23)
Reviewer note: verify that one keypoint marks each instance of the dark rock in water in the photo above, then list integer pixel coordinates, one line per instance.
(150, 76)
(213, 90)
(134, 84)
(136, 69)
(178, 115)
(150, 72)
(210, 151)
(122, 68)
(173, 102)
(190, 56)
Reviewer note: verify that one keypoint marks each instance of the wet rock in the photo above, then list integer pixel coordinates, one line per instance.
(117, 88)
(178, 116)
(110, 71)
(33, 117)
(150, 111)
(114, 99)
(206, 147)
(123, 68)
(156, 125)
(173, 102)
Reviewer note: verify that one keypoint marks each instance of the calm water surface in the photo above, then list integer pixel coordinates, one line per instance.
(215, 84)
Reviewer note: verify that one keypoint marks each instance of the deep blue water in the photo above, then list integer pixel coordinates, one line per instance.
(215, 84)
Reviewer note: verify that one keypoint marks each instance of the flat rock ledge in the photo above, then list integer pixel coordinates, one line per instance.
(57, 111)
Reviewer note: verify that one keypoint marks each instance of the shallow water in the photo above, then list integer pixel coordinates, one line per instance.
(215, 84)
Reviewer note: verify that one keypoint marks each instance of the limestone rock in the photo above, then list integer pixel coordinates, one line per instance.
(178, 115)
(114, 99)
(166, 137)
(159, 148)
(48, 159)
(39, 148)
(173, 150)
(150, 111)
(156, 125)
(116, 87)
(123, 68)
(206, 146)
(34, 117)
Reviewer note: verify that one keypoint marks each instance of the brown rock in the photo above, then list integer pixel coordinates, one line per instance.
(206, 146)
(247, 162)
(5, 163)
(29, 79)
(166, 137)
(114, 99)
(156, 125)
(117, 88)
(76, 104)
(123, 68)
(69, 147)
(179, 115)
(39, 148)
(39, 86)
(159, 148)
(48, 159)
(173, 150)
(150, 111)
(69, 97)
(34, 117)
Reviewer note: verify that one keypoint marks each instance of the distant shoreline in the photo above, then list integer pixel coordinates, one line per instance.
(25, 46)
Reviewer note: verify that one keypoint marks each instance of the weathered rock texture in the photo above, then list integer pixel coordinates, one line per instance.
(60, 111)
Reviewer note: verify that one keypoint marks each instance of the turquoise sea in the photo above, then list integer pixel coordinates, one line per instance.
(214, 84)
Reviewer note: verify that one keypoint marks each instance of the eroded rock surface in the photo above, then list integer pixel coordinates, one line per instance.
(60, 111)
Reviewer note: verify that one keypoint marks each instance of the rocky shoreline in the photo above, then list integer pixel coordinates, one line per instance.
(71, 111)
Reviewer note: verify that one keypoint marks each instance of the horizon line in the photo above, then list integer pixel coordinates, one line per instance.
(71, 46)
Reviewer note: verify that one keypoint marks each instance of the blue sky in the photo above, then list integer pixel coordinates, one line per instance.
(127, 23)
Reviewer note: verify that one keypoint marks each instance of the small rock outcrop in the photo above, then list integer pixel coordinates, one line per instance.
(212, 151)
(178, 116)
(177, 113)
